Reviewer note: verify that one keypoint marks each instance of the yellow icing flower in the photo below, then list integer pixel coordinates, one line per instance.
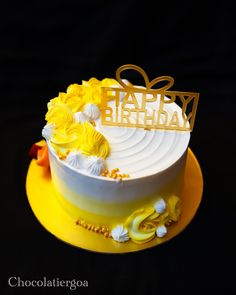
(93, 143)
(60, 115)
(93, 89)
(75, 90)
(69, 138)
(93, 95)
(137, 232)
(75, 103)
(107, 82)
(69, 135)
(143, 223)
(91, 82)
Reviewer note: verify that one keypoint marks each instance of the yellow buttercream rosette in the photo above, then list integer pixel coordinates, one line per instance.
(142, 223)
(69, 135)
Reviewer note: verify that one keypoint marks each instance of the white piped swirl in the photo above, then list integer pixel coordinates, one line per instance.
(160, 206)
(80, 117)
(47, 131)
(161, 231)
(120, 234)
(75, 159)
(95, 165)
(91, 111)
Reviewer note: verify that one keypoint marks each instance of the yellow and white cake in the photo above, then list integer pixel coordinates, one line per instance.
(124, 183)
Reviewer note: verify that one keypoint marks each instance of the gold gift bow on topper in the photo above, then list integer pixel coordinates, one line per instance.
(160, 117)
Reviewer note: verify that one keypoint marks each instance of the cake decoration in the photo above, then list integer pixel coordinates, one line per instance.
(161, 231)
(47, 131)
(91, 111)
(93, 143)
(158, 118)
(80, 117)
(115, 174)
(95, 165)
(95, 228)
(71, 121)
(160, 206)
(144, 224)
(39, 152)
(75, 159)
(120, 234)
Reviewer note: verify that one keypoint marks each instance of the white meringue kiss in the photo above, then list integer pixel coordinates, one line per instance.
(94, 165)
(75, 159)
(47, 131)
(80, 117)
(161, 231)
(160, 206)
(120, 234)
(91, 111)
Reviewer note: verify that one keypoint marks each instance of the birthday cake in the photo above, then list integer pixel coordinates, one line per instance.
(111, 176)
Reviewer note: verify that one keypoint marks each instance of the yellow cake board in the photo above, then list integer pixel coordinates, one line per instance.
(57, 221)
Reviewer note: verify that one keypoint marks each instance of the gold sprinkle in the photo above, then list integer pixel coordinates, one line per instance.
(96, 229)
(93, 123)
(106, 234)
(62, 157)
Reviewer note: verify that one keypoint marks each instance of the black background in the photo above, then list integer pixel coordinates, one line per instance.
(46, 47)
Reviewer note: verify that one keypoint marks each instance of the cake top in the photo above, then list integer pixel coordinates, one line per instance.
(77, 132)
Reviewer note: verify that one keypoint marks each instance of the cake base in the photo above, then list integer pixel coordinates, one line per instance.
(52, 216)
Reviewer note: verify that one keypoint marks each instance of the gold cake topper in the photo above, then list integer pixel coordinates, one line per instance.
(131, 104)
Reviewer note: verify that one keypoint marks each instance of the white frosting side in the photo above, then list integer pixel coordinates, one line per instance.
(95, 165)
(160, 206)
(91, 111)
(120, 234)
(80, 117)
(161, 231)
(47, 131)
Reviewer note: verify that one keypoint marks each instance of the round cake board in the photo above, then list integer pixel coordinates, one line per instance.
(57, 221)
